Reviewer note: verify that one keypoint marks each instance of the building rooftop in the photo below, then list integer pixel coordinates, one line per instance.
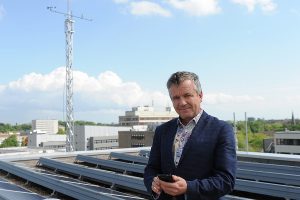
(117, 174)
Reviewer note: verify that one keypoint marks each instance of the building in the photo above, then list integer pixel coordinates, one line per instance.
(138, 136)
(49, 126)
(144, 115)
(97, 137)
(46, 141)
(287, 142)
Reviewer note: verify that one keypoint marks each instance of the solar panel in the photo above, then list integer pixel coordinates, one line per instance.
(11, 191)
(120, 166)
(128, 157)
(276, 190)
(269, 167)
(92, 186)
(114, 179)
(271, 177)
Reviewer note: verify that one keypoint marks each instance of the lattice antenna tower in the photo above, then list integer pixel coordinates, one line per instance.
(69, 31)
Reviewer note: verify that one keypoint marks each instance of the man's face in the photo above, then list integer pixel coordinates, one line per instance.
(185, 100)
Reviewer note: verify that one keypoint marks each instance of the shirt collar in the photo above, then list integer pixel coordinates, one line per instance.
(194, 120)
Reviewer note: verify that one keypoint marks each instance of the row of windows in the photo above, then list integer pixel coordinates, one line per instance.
(53, 146)
(105, 141)
(138, 136)
(130, 119)
(138, 145)
(288, 142)
(103, 148)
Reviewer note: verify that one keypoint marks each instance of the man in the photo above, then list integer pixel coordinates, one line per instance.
(196, 148)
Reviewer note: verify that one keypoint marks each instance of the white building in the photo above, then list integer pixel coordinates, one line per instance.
(145, 115)
(287, 142)
(48, 126)
(47, 141)
(97, 137)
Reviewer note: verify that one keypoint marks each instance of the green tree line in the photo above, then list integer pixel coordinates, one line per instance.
(258, 130)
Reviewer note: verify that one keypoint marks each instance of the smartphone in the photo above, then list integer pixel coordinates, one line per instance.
(166, 177)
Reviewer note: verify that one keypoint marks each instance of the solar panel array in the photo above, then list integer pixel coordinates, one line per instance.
(123, 172)
(55, 184)
(265, 179)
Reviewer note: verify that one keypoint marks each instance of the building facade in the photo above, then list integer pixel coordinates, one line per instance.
(49, 126)
(144, 115)
(46, 141)
(128, 139)
(287, 142)
(97, 137)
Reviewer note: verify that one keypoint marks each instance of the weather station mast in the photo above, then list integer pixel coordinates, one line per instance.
(69, 31)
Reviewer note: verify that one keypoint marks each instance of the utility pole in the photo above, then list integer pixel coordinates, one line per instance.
(235, 133)
(69, 31)
(246, 130)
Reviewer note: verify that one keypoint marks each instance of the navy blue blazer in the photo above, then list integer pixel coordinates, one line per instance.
(207, 163)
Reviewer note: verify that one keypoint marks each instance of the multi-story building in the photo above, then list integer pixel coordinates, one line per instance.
(49, 126)
(46, 141)
(97, 137)
(287, 142)
(144, 115)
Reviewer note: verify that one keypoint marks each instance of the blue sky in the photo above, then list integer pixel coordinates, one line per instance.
(246, 53)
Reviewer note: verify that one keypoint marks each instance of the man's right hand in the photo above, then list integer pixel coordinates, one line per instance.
(156, 185)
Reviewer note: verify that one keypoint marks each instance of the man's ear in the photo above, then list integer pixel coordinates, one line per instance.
(201, 94)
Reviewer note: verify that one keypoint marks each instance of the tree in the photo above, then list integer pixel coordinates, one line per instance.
(24, 141)
(11, 141)
(61, 131)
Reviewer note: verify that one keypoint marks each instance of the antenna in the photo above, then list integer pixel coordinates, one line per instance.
(69, 31)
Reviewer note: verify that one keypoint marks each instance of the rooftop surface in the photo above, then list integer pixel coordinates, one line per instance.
(117, 174)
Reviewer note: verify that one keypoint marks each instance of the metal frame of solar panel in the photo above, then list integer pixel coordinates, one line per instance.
(114, 179)
(270, 189)
(271, 177)
(114, 164)
(275, 168)
(144, 153)
(128, 157)
(75, 191)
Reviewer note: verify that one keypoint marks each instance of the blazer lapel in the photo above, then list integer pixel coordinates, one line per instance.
(167, 142)
(197, 132)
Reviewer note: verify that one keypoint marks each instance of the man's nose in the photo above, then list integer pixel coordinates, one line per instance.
(182, 101)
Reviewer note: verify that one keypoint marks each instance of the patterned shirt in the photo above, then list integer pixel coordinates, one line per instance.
(182, 135)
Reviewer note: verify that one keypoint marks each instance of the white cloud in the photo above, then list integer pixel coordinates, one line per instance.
(104, 97)
(2, 88)
(221, 98)
(265, 5)
(121, 1)
(196, 7)
(42, 96)
(39, 82)
(148, 8)
(293, 99)
(2, 11)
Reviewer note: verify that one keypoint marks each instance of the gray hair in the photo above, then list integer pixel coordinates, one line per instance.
(179, 77)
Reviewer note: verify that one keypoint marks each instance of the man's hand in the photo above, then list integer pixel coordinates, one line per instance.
(177, 188)
(156, 185)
